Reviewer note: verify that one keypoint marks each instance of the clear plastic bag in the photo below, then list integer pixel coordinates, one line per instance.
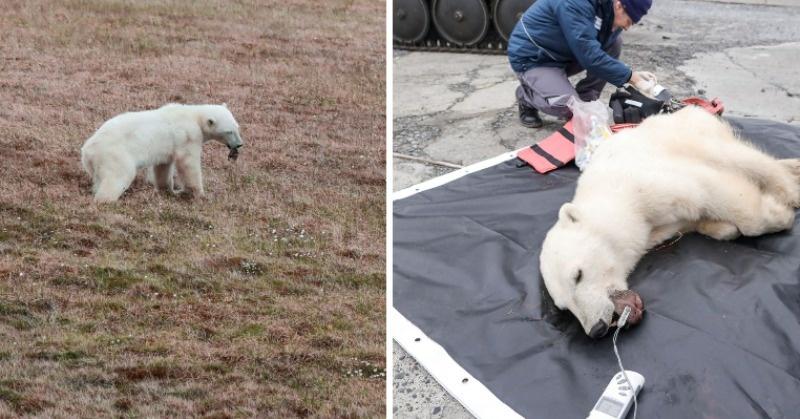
(590, 125)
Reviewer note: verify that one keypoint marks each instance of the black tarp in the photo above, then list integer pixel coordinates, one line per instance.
(721, 333)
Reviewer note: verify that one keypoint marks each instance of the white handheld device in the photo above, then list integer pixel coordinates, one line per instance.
(617, 399)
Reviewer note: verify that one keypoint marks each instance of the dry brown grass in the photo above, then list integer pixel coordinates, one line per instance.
(266, 298)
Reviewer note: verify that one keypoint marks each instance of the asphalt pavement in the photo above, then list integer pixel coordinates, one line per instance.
(460, 108)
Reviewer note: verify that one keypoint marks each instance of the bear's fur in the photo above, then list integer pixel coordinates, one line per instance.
(673, 174)
(166, 140)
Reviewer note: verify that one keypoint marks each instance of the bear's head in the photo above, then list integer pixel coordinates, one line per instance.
(219, 124)
(586, 273)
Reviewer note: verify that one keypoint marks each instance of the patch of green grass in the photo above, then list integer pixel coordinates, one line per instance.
(67, 357)
(100, 278)
(109, 306)
(36, 228)
(147, 45)
(359, 280)
(68, 280)
(14, 211)
(86, 328)
(112, 279)
(203, 332)
(366, 308)
(183, 221)
(249, 331)
(84, 380)
(191, 393)
(12, 393)
(290, 288)
(98, 229)
(11, 397)
(158, 370)
(148, 348)
(217, 368)
(341, 324)
(17, 315)
(163, 280)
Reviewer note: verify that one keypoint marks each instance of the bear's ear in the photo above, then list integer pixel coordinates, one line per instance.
(568, 213)
(225, 105)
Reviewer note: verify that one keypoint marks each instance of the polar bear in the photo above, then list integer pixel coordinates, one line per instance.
(673, 174)
(165, 140)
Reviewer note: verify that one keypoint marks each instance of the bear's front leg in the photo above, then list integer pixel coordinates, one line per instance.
(189, 170)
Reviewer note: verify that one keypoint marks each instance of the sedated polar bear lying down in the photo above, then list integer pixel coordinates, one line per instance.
(167, 139)
(674, 173)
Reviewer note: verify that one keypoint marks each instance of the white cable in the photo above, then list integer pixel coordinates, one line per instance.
(622, 320)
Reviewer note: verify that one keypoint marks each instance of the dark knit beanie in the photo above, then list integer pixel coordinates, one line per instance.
(636, 8)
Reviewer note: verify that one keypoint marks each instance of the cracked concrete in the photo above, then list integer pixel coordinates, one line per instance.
(774, 90)
(461, 108)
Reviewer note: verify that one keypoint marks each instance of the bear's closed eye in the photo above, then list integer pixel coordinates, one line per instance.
(578, 277)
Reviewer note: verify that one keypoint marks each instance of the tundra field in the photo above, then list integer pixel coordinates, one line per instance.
(266, 298)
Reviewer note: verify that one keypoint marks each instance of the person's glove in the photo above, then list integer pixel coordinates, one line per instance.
(645, 82)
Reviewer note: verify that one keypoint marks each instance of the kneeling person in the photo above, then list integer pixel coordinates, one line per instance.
(556, 39)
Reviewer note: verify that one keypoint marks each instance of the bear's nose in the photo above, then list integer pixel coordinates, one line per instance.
(598, 330)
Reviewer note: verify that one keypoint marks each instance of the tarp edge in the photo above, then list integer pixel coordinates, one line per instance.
(472, 394)
(449, 177)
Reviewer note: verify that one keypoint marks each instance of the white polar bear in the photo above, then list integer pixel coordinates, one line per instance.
(167, 139)
(673, 174)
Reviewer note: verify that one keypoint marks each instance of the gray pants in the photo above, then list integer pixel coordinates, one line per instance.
(547, 88)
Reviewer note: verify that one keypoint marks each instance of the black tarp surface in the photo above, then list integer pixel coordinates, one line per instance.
(720, 337)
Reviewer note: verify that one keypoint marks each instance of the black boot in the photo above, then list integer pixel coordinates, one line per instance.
(529, 117)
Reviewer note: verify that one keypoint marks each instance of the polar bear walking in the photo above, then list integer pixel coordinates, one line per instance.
(673, 174)
(168, 140)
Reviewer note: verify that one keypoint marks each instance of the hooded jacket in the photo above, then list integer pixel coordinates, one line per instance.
(564, 32)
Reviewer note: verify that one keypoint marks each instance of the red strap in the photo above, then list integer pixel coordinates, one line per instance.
(620, 127)
(554, 151)
(714, 107)
(539, 163)
(559, 147)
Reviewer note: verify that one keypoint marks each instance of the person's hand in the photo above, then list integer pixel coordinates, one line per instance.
(646, 75)
(640, 76)
(644, 81)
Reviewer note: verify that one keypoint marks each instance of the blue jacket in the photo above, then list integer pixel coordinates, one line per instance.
(568, 31)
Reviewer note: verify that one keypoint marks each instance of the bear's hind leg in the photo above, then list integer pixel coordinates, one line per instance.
(769, 215)
(769, 173)
(164, 175)
(793, 165)
(112, 185)
(778, 215)
(719, 230)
